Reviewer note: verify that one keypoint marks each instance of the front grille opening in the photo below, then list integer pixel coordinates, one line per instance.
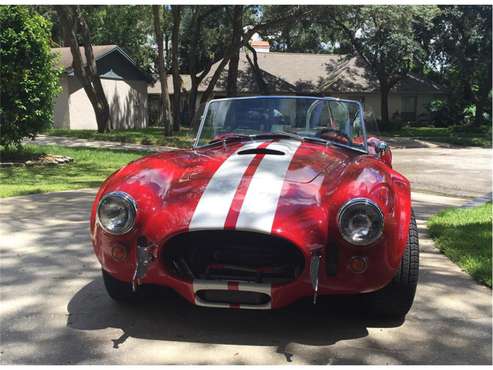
(233, 297)
(232, 255)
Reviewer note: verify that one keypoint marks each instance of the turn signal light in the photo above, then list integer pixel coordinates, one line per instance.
(358, 264)
(119, 252)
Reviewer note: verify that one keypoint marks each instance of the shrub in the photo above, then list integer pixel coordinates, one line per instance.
(28, 75)
(439, 113)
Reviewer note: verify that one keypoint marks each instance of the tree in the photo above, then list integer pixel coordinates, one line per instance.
(29, 77)
(459, 46)
(213, 35)
(74, 26)
(279, 19)
(127, 26)
(312, 33)
(175, 67)
(383, 37)
(165, 116)
(202, 43)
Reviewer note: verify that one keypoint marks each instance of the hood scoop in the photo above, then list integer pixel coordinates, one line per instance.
(265, 151)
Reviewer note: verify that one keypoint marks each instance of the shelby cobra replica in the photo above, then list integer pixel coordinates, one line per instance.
(279, 198)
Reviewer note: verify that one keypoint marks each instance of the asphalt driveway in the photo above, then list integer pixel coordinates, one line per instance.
(462, 172)
(55, 311)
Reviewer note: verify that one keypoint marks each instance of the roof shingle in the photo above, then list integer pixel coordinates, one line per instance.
(66, 55)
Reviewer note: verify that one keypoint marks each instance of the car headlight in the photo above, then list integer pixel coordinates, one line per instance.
(116, 213)
(360, 222)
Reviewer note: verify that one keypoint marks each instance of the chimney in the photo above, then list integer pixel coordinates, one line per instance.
(259, 45)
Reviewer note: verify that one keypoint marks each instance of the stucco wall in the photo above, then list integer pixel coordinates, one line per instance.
(127, 101)
(61, 114)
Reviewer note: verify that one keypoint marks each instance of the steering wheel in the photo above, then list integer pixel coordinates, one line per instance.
(326, 130)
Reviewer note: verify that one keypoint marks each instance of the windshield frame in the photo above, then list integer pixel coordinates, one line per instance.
(360, 107)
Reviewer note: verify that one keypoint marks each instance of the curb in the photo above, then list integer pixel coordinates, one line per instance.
(478, 201)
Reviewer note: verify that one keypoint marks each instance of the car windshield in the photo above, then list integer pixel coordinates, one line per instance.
(325, 119)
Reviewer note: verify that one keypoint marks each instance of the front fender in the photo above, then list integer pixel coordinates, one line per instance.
(370, 178)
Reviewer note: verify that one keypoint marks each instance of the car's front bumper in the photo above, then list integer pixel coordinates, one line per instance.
(331, 280)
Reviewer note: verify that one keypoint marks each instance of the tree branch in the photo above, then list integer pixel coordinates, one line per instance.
(262, 86)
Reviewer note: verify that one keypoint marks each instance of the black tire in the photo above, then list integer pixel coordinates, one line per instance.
(395, 299)
(118, 290)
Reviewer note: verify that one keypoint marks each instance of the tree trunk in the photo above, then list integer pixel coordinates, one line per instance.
(237, 23)
(483, 104)
(165, 117)
(196, 79)
(217, 73)
(232, 83)
(384, 105)
(175, 10)
(257, 72)
(74, 25)
(192, 102)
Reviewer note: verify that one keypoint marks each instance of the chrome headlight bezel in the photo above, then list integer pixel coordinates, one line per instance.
(358, 202)
(131, 207)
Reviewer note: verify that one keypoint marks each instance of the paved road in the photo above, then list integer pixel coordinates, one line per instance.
(54, 309)
(462, 172)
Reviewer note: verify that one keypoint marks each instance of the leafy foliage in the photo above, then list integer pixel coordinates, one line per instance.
(309, 34)
(384, 38)
(128, 26)
(28, 74)
(449, 44)
(459, 57)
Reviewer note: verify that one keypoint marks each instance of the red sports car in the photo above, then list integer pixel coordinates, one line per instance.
(280, 198)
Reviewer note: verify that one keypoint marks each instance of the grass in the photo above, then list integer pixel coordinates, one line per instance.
(456, 135)
(145, 136)
(464, 235)
(89, 169)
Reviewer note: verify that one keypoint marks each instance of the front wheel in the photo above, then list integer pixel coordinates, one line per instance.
(395, 299)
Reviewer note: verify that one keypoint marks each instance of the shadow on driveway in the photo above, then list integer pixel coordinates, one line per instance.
(171, 318)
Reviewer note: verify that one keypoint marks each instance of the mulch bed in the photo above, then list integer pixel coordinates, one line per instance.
(41, 160)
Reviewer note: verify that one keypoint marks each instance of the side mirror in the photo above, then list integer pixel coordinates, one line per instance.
(381, 148)
(384, 153)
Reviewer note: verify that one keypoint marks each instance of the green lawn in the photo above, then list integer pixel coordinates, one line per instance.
(146, 136)
(89, 169)
(452, 135)
(464, 235)
(154, 136)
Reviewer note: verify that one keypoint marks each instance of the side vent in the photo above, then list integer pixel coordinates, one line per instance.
(265, 151)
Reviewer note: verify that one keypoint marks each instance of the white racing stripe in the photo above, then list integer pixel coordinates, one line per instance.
(260, 203)
(215, 202)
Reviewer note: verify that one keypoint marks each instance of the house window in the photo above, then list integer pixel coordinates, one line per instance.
(408, 108)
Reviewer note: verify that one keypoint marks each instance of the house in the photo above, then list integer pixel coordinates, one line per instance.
(154, 94)
(333, 75)
(124, 84)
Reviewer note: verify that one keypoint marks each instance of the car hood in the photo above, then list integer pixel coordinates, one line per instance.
(261, 186)
(286, 160)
